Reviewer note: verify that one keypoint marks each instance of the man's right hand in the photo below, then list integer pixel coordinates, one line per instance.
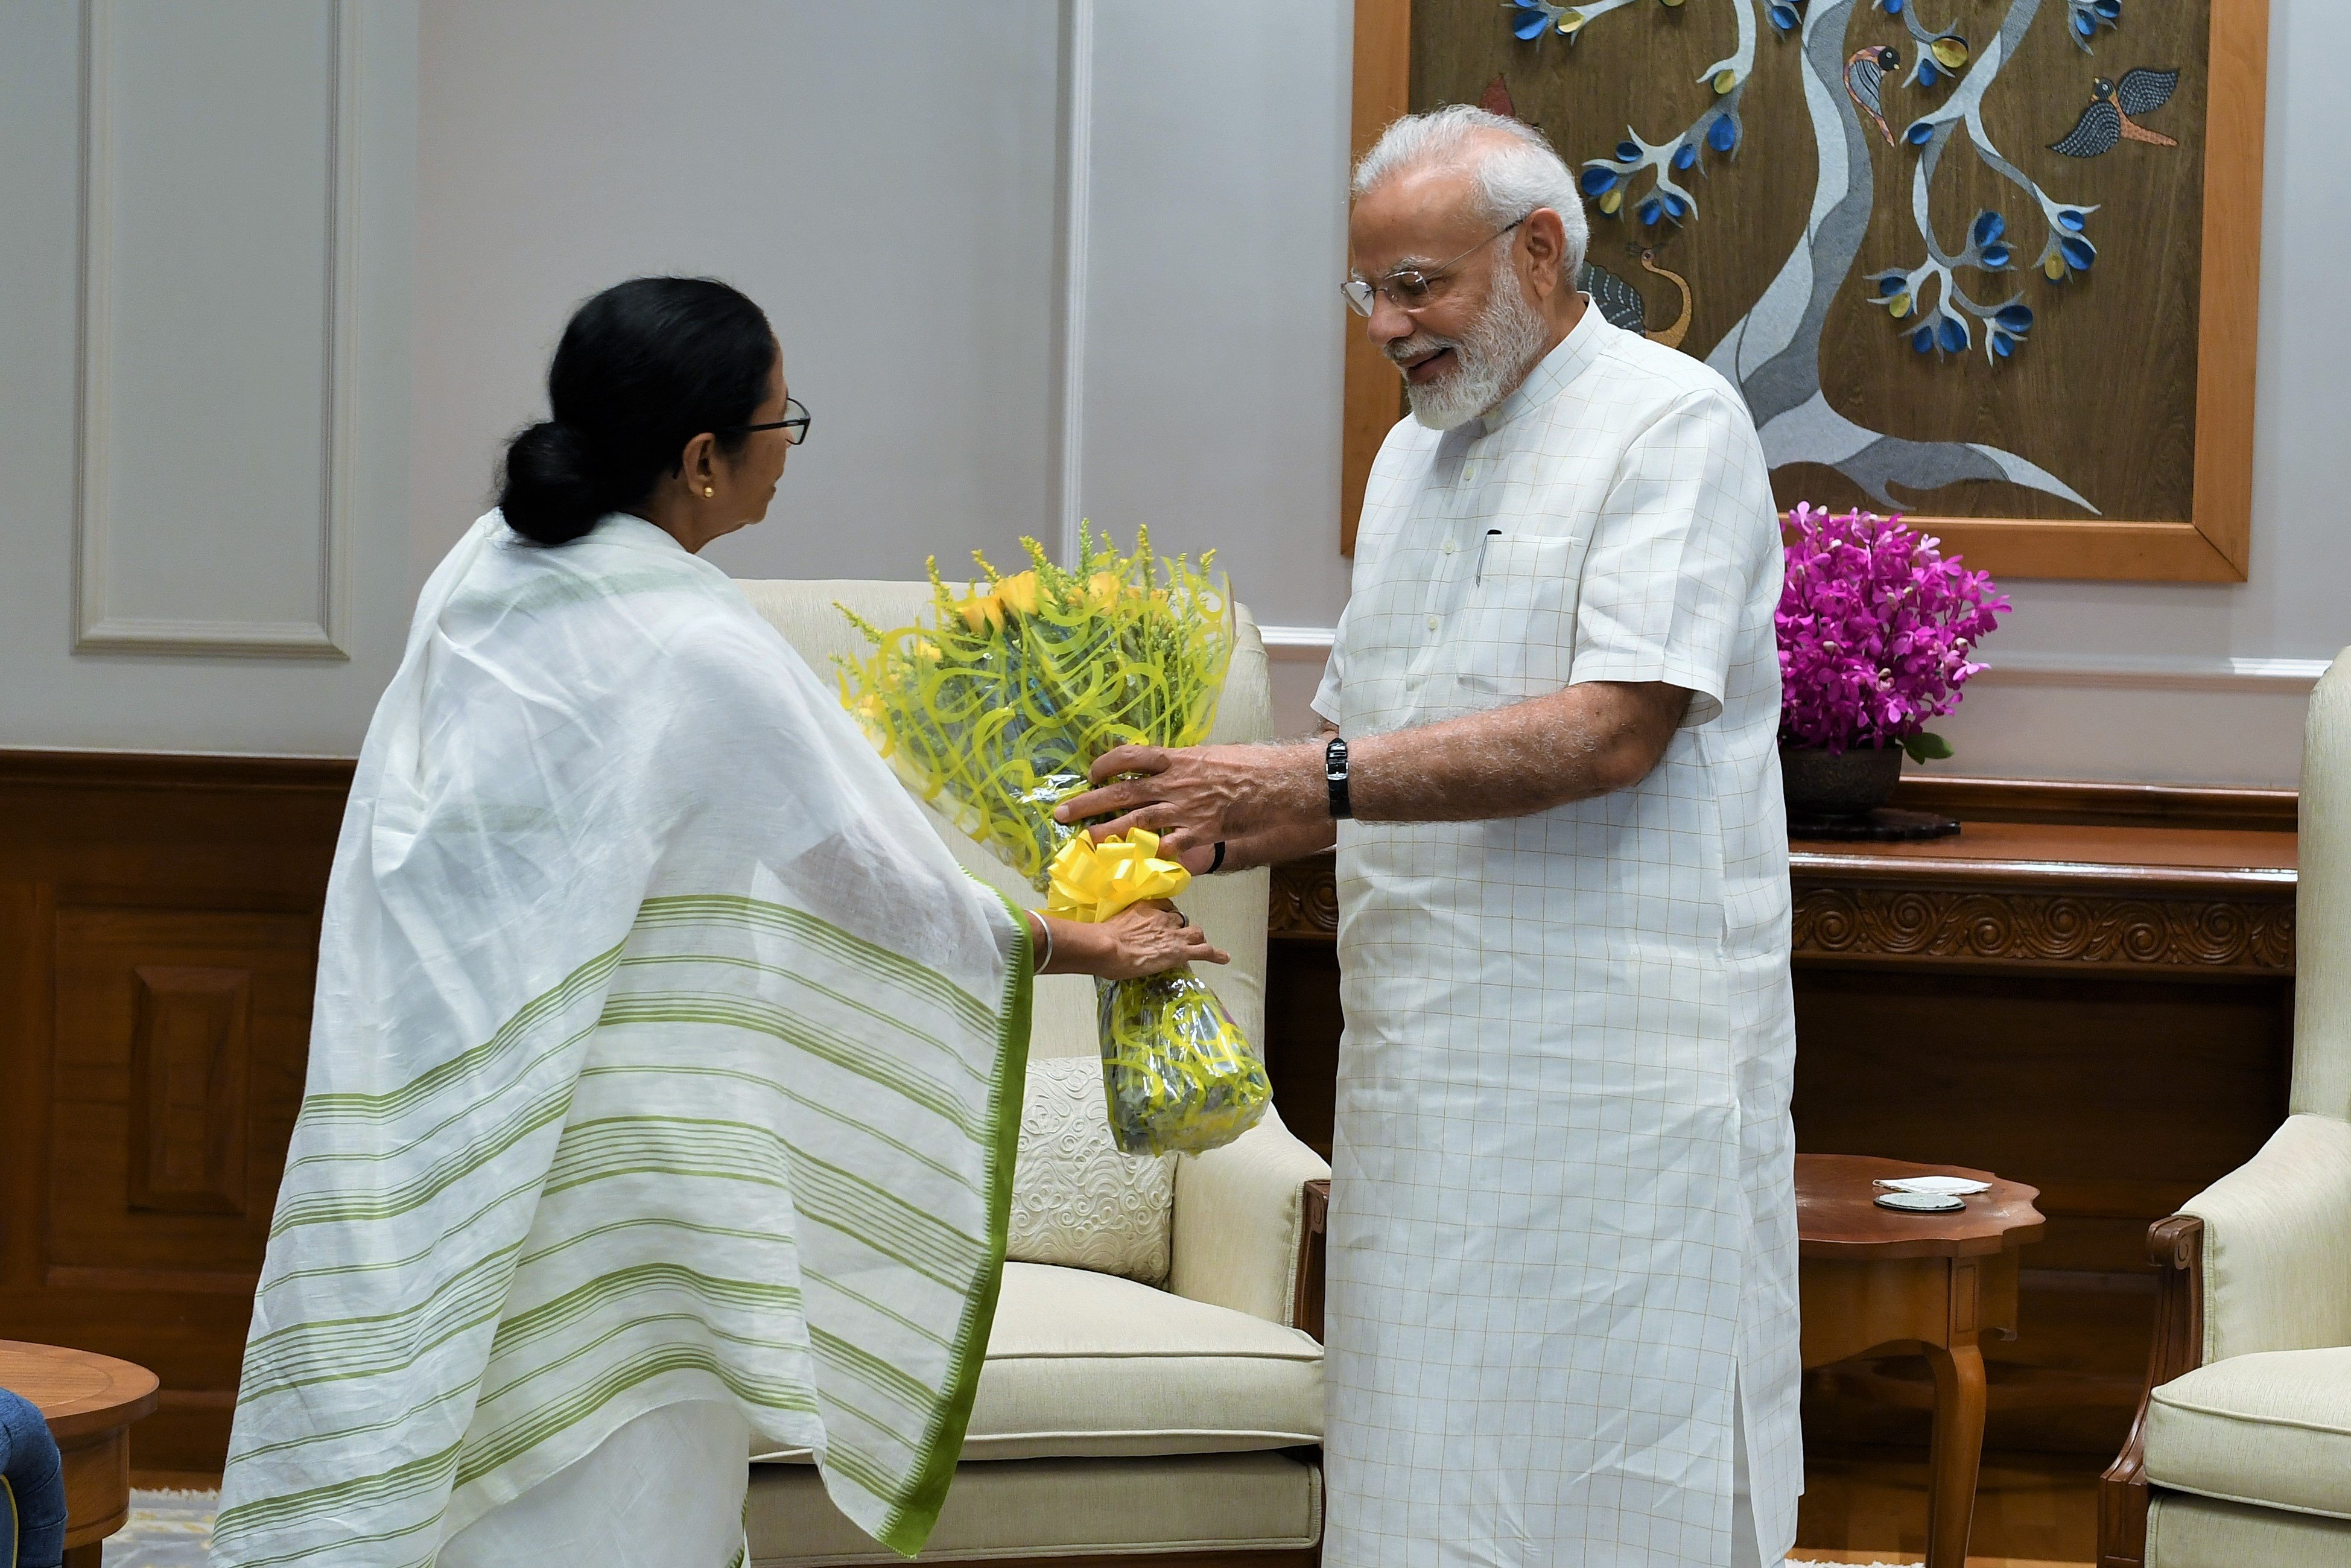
(1195, 796)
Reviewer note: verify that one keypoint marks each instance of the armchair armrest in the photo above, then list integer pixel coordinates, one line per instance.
(2277, 1244)
(2259, 1261)
(2176, 1247)
(1313, 1259)
(1240, 1231)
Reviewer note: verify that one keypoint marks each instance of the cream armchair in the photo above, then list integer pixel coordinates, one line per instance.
(2241, 1457)
(1114, 1417)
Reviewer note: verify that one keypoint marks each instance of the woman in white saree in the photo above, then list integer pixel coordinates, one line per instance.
(664, 1072)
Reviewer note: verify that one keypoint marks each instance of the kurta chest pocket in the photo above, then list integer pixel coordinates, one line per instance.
(1514, 636)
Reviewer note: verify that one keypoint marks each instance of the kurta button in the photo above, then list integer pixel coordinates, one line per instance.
(1432, 623)
(1448, 546)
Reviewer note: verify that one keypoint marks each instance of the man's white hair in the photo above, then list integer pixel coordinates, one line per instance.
(1515, 171)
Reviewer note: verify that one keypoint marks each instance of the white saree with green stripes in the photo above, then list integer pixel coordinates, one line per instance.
(661, 1058)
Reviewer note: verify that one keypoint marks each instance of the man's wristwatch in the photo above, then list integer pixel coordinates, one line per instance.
(1334, 774)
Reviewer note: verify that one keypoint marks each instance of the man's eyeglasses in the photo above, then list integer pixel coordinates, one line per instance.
(794, 424)
(1409, 288)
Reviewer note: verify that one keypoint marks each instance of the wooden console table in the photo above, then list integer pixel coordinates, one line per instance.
(2090, 989)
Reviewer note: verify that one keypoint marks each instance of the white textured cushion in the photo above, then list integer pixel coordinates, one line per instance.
(1060, 1507)
(2199, 1533)
(1076, 1200)
(2273, 1429)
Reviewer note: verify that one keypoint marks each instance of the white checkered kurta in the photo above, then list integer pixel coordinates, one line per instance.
(1563, 1233)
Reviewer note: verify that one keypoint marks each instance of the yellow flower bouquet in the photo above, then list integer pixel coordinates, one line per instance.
(996, 710)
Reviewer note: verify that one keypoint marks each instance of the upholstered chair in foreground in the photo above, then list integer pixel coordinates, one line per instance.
(2241, 1457)
(1152, 1385)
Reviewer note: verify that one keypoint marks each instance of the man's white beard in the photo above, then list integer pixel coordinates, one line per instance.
(1499, 347)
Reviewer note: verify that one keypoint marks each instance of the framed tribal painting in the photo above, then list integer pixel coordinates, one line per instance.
(1988, 263)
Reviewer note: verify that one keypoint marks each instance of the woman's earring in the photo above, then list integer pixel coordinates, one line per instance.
(708, 491)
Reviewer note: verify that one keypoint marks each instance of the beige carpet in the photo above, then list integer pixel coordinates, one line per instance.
(166, 1530)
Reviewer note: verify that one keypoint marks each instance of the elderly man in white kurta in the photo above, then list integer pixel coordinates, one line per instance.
(1563, 1250)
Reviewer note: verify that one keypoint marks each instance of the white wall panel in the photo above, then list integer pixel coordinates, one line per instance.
(882, 179)
(214, 454)
(219, 157)
(1214, 327)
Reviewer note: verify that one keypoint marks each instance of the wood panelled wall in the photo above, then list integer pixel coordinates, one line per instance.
(159, 932)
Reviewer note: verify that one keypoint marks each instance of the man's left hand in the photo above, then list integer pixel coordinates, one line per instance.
(1195, 796)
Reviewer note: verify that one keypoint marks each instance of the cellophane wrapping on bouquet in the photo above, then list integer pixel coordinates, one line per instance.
(996, 710)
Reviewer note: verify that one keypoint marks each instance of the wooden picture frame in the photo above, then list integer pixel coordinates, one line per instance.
(1375, 392)
(2212, 545)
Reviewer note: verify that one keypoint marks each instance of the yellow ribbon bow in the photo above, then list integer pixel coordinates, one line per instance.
(1093, 881)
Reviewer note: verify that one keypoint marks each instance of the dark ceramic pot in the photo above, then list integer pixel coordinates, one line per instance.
(1849, 784)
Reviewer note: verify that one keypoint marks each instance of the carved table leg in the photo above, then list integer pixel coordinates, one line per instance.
(1958, 1451)
(85, 1556)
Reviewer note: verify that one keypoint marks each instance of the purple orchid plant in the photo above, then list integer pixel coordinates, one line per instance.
(1877, 628)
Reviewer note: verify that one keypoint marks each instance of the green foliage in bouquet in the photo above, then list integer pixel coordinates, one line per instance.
(1002, 705)
(996, 710)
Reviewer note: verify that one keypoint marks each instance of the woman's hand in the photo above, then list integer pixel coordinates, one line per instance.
(1140, 939)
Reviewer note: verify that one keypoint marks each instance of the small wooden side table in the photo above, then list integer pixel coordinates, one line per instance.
(89, 1402)
(1930, 1284)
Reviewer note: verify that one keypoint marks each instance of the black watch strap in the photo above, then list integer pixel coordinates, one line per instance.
(1334, 774)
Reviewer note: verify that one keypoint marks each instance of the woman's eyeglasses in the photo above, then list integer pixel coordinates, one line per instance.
(795, 425)
(1409, 288)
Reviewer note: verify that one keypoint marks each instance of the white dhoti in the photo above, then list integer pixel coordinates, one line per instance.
(1562, 1232)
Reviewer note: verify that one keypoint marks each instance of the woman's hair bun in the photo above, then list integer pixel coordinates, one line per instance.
(644, 368)
(551, 494)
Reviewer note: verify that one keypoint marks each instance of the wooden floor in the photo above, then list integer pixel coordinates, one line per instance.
(2032, 1511)
(175, 1480)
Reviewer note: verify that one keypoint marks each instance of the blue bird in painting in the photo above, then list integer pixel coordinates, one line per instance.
(2108, 120)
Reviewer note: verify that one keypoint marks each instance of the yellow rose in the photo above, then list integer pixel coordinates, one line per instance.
(1101, 589)
(982, 609)
(1018, 592)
